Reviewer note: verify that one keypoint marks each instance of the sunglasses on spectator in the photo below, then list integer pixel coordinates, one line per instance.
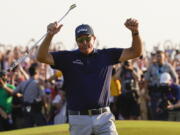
(82, 39)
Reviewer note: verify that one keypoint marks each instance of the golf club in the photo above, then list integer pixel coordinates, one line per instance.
(21, 59)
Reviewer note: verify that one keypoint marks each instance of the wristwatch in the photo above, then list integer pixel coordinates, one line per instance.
(135, 33)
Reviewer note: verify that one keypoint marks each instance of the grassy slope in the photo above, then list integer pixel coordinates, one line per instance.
(123, 127)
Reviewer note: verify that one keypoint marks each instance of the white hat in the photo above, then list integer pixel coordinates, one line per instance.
(165, 78)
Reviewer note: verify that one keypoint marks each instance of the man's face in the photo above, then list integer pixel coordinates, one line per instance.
(86, 43)
(160, 57)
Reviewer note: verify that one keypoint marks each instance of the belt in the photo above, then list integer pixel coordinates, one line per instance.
(89, 112)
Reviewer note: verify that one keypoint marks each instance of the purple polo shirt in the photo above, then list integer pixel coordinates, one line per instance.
(87, 77)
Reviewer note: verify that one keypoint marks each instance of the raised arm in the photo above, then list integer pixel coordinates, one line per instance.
(8, 89)
(137, 47)
(43, 55)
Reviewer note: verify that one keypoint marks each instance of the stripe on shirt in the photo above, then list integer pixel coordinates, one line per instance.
(103, 92)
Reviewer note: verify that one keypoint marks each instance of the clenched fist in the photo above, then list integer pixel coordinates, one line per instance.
(53, 28)
(132, 24)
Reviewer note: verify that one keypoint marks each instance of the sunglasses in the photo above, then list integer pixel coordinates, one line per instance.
(82, 39)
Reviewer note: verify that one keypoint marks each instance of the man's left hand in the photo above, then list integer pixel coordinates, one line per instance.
(132, 24)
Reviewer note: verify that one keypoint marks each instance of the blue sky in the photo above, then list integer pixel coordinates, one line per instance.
(22, 20)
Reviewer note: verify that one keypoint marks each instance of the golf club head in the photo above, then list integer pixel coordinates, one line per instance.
(72, 6)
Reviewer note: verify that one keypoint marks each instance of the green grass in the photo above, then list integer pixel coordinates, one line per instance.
(123, 127)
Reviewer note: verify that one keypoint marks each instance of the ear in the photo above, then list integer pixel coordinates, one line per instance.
(94, 38)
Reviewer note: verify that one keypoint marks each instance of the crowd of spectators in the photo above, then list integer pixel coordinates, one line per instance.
(146, 88)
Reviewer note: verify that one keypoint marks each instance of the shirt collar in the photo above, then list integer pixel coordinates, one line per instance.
(95, 51)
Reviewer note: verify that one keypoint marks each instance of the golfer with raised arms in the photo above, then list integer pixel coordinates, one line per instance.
(87, 75)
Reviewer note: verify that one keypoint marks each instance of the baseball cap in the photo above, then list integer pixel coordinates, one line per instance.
(83, 29)
(165, 78)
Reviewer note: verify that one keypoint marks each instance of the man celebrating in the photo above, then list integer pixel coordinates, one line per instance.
(87, 74)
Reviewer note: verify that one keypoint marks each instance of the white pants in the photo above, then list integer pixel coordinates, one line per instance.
(61, 118)
(102, 124)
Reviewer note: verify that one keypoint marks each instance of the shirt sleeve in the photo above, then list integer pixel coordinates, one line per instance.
(60, 59)
(19, 88)
(113, 54)
(11, 86)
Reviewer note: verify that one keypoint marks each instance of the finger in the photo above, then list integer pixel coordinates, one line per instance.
(58, 28)
(50, 27)
(55, 23)
(129, 22)
(126, 21)
(135, 22)
(132, 24)
(129, 19)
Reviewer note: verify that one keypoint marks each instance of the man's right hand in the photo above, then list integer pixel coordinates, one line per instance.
(43, 55)
(53, 28)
